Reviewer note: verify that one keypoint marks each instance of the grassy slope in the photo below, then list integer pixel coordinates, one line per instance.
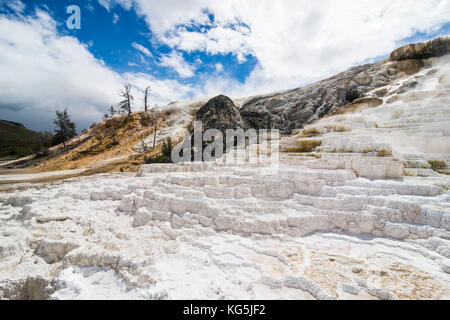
(107, 140)
(15, 140)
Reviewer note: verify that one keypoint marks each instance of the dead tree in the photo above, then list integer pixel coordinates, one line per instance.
(146, 98)
(144, 147)
(126, 103)
(154, 137)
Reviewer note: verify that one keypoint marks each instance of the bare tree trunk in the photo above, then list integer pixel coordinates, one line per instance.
(146, 98)
(63, 134)
(154, 138)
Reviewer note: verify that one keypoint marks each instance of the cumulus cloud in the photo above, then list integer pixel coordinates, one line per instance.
(294, 41)
(15, 5)
(43, 71)
(218, 40)
(176, 61)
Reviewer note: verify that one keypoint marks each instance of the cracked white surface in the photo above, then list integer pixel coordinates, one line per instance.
(167, 235)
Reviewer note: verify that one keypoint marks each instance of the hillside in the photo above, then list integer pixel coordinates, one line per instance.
(112, 145)
(115, 144)
(15, 139)
(292, 109)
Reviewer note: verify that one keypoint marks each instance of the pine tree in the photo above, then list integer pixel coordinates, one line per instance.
(65, 128)
(112, 111)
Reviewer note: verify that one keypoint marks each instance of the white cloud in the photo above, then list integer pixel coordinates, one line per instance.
(218, 40)
(294, 41)
(162, 91)
(176, 61)
(43, 71)
(108, 4)
(142, 49)
(105, 3)
(219, 67)
(15, 5)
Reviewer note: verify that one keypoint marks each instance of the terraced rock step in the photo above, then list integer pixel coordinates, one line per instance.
(237, 218)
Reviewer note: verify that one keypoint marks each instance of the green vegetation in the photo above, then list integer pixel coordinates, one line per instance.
(165, 156)
(17, 141)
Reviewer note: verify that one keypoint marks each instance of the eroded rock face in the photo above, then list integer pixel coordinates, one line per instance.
(292, 109)
(409, 66)
(423, 50)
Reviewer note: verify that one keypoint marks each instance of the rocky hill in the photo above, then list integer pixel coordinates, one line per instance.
(293, 109)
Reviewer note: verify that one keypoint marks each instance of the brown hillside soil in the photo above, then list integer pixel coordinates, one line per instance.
(107, 146)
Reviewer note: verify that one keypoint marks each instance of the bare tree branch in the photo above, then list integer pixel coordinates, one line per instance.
(126, 104)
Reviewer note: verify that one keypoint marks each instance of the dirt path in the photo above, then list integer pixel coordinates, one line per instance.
(11, 177)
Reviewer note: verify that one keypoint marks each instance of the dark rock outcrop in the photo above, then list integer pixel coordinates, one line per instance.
(219, 113)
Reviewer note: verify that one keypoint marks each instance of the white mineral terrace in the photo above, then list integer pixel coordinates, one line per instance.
(365, 215)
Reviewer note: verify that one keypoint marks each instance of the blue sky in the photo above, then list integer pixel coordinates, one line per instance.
(189, 49)
(110, 35)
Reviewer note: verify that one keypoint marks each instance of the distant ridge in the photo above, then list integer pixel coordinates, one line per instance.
(17, 124)
(15, 139)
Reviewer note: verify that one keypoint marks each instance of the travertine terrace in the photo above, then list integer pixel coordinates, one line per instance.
(359, 208)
